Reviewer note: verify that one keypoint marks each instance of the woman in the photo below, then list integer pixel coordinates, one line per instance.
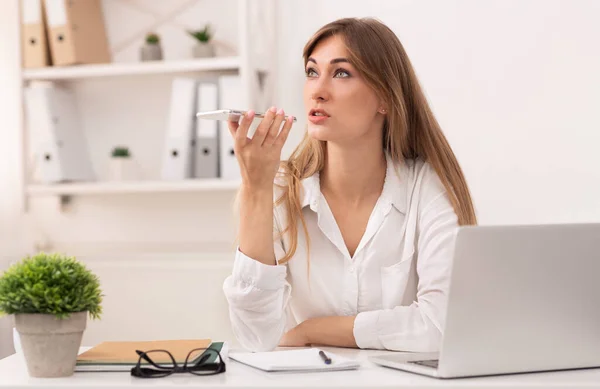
(356, 250)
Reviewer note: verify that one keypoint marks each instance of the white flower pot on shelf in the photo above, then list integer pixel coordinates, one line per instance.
(122, 169)
(203, 50)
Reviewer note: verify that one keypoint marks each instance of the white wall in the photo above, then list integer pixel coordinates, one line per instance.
(513, 83)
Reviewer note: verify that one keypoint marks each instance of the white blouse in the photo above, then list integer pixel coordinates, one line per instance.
(396, 283)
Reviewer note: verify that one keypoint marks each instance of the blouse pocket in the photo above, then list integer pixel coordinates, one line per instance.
(394, 280)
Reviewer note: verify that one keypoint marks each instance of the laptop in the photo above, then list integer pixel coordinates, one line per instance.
(521, 299)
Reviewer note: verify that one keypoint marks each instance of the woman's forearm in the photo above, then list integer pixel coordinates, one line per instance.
(330, 331)
(256, 224)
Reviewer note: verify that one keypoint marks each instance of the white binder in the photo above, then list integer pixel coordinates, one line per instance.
(207, 146)
(178, 155)
(60, 148)
(230, 97)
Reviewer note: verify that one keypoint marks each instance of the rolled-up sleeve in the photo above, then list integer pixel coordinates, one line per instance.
(419, 326)
(257, 295)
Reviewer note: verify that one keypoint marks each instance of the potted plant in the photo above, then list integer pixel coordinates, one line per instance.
(151, 50)
(203, 47)
(50, 296)
(121, 164)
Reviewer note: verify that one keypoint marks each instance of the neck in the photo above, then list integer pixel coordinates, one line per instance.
(353, 174)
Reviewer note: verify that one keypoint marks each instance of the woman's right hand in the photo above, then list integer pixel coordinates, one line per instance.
(260, 156)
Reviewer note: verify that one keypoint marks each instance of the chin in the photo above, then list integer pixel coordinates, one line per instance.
(321, 133)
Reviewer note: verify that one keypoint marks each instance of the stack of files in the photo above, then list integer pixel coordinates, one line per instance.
(302, 360)
(121, 356)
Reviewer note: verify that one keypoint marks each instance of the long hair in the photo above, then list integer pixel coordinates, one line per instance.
(410, 129)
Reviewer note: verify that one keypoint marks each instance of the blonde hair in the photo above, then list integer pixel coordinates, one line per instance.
(410, 129)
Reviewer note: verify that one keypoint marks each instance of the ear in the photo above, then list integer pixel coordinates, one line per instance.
(383, 108)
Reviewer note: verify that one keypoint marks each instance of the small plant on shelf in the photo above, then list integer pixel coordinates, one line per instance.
(151, 50)
(121, 164)
(152, 39)
(121, 152)
(203, 37)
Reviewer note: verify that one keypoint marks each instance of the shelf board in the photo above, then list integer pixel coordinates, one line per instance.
(124, 187)
(131, 68)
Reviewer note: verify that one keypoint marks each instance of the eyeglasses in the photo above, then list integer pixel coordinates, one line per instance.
(161, 363)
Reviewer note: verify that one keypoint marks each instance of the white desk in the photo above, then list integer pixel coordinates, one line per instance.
(13, 374)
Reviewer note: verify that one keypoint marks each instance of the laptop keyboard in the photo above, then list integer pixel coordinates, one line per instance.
(429, 363)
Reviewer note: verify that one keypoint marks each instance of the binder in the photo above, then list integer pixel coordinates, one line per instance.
(76, 31)
(178, 155)
(60, 148)
(207, 131)
(230, 97)
(34, 40)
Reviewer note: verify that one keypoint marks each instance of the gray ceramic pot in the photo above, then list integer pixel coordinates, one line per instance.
(203, 50)
(50, 345)
(150, 52)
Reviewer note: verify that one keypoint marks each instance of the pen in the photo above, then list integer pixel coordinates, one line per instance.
(325, 358)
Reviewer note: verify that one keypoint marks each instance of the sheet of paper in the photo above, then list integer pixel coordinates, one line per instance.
(294, 360)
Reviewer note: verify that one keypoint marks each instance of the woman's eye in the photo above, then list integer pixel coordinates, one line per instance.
(311, 72)
(342, 74)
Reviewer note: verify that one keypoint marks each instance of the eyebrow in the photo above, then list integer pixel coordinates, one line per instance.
(333, 61)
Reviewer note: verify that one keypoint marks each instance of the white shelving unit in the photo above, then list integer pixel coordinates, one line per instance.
(132, 234)
(256, 70)
(132, 69)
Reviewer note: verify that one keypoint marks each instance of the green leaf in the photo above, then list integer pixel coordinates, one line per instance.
(204, 35)
(152, 39)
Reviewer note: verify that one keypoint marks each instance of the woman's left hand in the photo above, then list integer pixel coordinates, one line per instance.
(296, 337)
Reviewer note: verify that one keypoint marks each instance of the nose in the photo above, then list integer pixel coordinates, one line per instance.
(320, 90)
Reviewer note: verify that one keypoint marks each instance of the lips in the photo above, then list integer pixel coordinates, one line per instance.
(321, 112)
(317, 116)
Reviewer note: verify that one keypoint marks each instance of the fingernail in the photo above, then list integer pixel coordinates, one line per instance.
(250, 113)
(273, 109)
(280, 112)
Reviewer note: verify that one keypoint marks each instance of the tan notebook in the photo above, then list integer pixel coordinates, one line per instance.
(124, 352)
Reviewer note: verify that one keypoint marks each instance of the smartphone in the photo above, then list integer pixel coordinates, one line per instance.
(232, 115)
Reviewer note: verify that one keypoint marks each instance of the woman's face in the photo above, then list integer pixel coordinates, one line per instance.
(340, 106)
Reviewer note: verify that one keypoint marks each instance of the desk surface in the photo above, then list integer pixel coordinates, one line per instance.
(13, 374)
